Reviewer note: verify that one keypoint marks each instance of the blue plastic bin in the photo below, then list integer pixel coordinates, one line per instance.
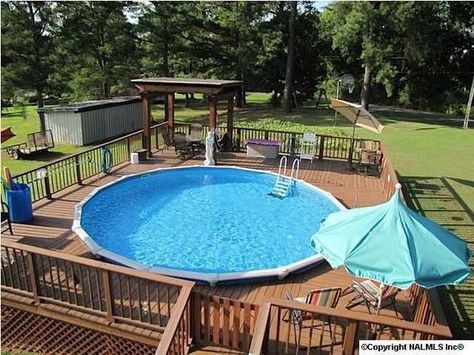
(19, 203)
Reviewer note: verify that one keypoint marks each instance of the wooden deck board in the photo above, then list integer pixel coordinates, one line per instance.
(52, 221)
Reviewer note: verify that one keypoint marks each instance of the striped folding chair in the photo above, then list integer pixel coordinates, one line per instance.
(325, 297)
(368, 293)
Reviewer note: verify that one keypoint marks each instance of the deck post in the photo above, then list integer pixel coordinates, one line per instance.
(77, 162)
(170, 114)
(146, 142)
(230, 124)
(108, 296)
(293, 152)
(47, 187)
(33, 278)
(128, 148)
(321, 148)
(261, 328)
(350, 338)
(238, 143)
(212, 113)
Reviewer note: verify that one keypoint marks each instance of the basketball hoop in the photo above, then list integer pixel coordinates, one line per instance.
(348, 81)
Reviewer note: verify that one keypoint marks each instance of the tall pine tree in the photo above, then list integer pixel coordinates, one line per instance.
(26, 49)
(100, 45)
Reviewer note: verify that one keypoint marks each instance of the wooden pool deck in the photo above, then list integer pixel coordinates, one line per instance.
(51, 226)
(222, 315)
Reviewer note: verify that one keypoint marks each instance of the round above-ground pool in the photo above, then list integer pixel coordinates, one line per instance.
(211, 224)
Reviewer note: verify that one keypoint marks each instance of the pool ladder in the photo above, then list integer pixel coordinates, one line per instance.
(282, 187)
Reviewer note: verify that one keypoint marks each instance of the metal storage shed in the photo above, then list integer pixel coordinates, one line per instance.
(90, 122)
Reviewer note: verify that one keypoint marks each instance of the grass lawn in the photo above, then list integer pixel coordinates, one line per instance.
(21, 126)
(433, 159)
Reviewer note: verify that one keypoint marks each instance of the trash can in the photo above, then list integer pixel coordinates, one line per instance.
(19, 203)
(142, 154)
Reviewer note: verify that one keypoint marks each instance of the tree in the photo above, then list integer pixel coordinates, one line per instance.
(290, 67)
(272, 34)
(26, 49)
(100, 45)
(437, 53)
(226, 38)
(163, 28)
(359, 32)
(418, 53)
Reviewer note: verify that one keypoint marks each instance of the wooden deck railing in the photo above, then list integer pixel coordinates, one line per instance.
(332, 330)
(223, 321)
(388, 174)
(331, 147)
(115, 293)
(60, 174)
(177, 336)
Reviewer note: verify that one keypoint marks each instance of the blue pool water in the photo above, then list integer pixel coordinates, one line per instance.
(208, 220)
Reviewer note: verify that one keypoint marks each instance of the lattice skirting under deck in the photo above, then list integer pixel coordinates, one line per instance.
(30, 332)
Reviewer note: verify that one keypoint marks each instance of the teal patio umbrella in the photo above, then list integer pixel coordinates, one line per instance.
(394, 245)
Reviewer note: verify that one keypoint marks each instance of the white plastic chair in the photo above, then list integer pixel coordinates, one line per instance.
(308, 146)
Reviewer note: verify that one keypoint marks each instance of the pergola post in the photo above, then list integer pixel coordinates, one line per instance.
(230, 123)
(146, 141)
(215, 90)
(212, 113)
(170, 113)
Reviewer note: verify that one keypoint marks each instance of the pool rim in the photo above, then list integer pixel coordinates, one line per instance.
(211, 278)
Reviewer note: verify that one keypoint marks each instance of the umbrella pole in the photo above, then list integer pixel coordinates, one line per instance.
(351, 148)
(337, 97)
(376, 328)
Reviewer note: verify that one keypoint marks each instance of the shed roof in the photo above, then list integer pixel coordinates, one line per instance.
(93, 105)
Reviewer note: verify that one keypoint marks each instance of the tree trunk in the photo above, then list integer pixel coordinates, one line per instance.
(365, 94)
(40, 104)
(289, 75)
(36, 43)
(166, 54)
(239, 102)
(243, 89)
(106, 89)
(240, 97)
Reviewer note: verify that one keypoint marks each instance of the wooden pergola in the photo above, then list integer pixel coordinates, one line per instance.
(215, 90)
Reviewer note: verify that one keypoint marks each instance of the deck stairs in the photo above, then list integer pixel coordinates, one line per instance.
(283, 185)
